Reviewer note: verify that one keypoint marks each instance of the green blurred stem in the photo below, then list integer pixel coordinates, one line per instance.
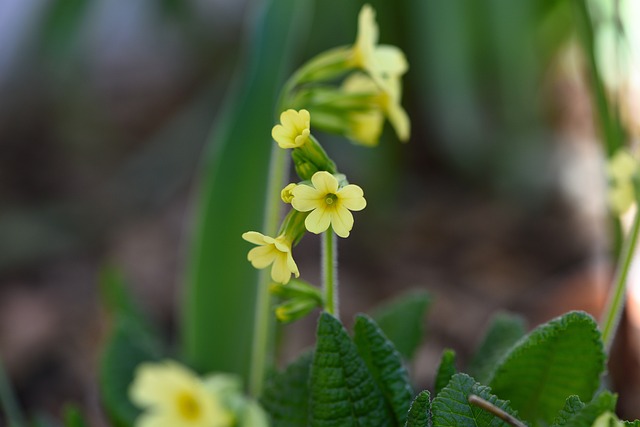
(615, 303)
(329, 271)
(263, 326)
(8, 401)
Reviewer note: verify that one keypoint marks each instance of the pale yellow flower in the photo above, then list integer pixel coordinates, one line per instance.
(272, 251)
(330, 205)
(621, 170)
(173, 396)
(286, 195)
(381, 62)
(294, 129)
(367, 128)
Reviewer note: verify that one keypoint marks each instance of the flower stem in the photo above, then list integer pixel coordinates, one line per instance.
(329, 271)
(615, 303)
(261, 353)
(8, 401)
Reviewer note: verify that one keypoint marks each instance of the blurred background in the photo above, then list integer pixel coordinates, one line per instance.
(498, 202)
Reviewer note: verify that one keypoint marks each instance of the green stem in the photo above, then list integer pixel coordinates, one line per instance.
(264, 321)
(329, 271)
(8, 401)
(615, 303)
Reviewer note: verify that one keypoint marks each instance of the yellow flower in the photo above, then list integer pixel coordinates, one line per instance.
(366, 128)
(621, 170)
(329, 204)
(294, 129)
(286, 194)
(272, 251)
(381, 62)
(173, 396)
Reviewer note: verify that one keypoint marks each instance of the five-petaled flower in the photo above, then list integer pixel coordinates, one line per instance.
(172, 395)
(294, 129)
(272, 251)
(382, 62)
(330, 205)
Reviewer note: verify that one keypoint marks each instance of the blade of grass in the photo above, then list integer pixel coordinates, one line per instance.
(220, 285)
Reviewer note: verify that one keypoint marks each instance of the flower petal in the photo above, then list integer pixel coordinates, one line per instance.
(306, 198)
(400, 121)
(262, 256)
(351, 197)
(325, 183)
(390, 60)
(341, 221)
(279, 272)
(292, 266)
(254, 237)
(318, 220)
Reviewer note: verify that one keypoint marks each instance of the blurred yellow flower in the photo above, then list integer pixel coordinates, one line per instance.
(173, 396)
(330, 205)
(367, 127)
(272, 251)
(294, 129)
(381, 62)
(286, 195)
(621, 169)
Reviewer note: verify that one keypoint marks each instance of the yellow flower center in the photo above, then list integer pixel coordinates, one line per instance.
(188, 406)
(330, 199)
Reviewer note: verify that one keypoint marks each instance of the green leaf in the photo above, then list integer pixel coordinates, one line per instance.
(451, 406)
(343, 392)
(577, 414)
(504, 331)
(561, 358)
(420, 411)
(385, 364)
(446, 370)
(73, 417)
(220, 285)
(286, 394)
(402, 321)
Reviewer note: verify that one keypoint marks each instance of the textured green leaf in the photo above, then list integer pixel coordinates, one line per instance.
(420, 411)
(577, 414)
(504, 331)
(446, 370)
(286, 394)
(451, 406)
(219, 305)
(343, 392)
(635, 423)
(561, 358)
(385, 364)
(402, 321)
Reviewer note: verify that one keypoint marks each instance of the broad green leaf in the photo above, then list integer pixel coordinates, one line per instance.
(343, 391)
(446, 370)
(385, 364)
(220, 285)
(504, 331)
(402, 321)
(420, 411)
(577, 414)
(451, 406)
(286, 394)
(558, 359)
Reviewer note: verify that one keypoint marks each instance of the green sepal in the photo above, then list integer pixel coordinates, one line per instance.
(446, 370)
(343, 391)
(420, 411)
(385, 364)
(295, 288)
(293, 226)
(503, 332)
(451, 406)
(296, 308)
(561, 358)
(577, 414)
(402, 321)
(311, 158)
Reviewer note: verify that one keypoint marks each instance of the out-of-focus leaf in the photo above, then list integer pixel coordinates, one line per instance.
(220, 285)
(62, 23)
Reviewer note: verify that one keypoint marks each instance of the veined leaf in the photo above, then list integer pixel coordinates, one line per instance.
(451, 406)
(561, 358)
(420, 411)
(286, 394)
(220, 285)
(446, 370)
(504, 331)
(343, 392)
(577, 414)
(402, 321)
(385, 364)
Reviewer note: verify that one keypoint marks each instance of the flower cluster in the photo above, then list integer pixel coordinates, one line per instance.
(356, 107)
(172, 395)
